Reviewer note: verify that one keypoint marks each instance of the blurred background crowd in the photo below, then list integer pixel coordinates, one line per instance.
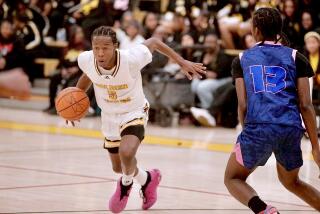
(41, 39)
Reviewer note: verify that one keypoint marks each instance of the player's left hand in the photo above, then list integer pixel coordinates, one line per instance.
(191, 69)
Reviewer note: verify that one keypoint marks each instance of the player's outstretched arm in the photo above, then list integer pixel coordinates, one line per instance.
(84, 82)
(190, 69)
(309, 116)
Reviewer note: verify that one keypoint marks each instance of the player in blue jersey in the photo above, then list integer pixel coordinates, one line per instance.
(273, 89)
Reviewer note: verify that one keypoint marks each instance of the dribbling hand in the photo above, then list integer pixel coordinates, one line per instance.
(191, 69)
(72, 122)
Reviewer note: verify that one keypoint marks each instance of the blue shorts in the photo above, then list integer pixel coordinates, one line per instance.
(256, 143)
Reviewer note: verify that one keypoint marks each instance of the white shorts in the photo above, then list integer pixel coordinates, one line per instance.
(114, 124)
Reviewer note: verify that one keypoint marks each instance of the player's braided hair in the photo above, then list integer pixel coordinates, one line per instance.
(269, 23)
(105, 31)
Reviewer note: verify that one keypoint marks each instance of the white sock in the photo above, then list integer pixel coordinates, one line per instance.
(127, 179)
(141, 177)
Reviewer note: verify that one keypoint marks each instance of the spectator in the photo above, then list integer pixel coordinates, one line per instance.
(178, 27)
(311, 5)
(150, 23)
(13, 81)
(200, 26)
(77, 43)
(131, 36)
(41, 20)
(4, 10)
(290, 22)
(187, 44)
(184, 7)
(223, 110)
(58, 20)
(28, 32)
(91, 15)
(235, 19)
(47, 9)
(312, 41)
(120, 7)
(11, 49)
(218, 73)
(33, 12)
(162, 33)
(33, 45)
(126, 18)
(307, 24)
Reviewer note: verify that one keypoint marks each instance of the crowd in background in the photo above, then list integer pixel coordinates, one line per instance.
(211, 32)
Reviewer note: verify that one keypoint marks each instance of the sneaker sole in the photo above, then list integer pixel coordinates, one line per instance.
(204, 122)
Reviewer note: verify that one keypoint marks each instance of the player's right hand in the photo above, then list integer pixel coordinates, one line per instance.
(72, 122)
(316, 157)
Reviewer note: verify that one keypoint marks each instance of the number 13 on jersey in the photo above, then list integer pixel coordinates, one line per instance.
(268, 78)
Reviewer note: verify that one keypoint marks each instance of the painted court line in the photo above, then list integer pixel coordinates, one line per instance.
(79, 132)
(55, 172)
(53, 185)
(227, 195)
(151, 140)
(96, 134)
(50, 150)
(162, 186)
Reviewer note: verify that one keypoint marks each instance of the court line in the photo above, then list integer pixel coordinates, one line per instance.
(225, 194)
(52, 185)
(162, 186)
(97, 134)
(50, 150)
(150, 211)
(149, 139)
(55, 172)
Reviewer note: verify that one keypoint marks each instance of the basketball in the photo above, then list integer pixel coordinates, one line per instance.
(72, 103)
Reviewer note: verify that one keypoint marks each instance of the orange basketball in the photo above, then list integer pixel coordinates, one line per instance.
(72, 103)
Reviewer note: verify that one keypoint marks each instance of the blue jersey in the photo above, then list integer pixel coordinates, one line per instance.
(270, 76)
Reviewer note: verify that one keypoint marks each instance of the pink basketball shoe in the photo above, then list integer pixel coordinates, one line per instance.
(119, 200)
(269, 210)
(149, 191)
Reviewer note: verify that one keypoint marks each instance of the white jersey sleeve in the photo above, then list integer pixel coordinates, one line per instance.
(138, 57)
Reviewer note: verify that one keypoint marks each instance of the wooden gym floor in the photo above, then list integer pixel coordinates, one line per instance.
(47, 167)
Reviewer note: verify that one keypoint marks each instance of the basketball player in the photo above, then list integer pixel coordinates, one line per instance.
(117, 83)
(273, 89)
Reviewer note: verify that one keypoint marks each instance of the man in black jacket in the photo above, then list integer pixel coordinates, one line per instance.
(218, 65)
(218, 71)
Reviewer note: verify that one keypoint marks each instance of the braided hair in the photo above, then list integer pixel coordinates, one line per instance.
(269, 23)
(105, 31)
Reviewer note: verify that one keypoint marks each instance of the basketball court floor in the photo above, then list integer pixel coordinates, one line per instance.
(48, 167)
